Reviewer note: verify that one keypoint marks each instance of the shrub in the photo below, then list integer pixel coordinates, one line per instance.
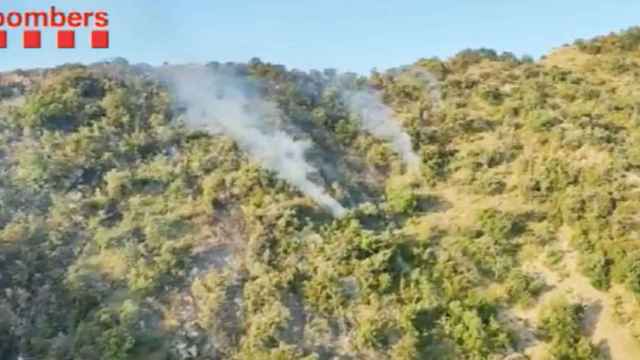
(560, 323)
(521, 288)
(401, 198)
(208, 292)
(596, 266)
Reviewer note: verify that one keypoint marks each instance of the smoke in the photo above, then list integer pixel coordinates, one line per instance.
(377, 119)
(430, 84)
(222, 103)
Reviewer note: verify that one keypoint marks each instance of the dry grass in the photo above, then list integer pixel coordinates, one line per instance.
(566, 57)
(110, 263)
(600, 324)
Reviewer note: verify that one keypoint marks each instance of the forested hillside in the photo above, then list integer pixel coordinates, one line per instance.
(126, 233)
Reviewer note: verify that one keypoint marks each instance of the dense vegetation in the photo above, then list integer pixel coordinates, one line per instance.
(125, 235)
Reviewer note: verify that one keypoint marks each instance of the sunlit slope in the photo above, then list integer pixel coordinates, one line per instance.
(126, 232)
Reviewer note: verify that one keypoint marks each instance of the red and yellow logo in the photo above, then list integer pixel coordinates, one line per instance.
(32, 22)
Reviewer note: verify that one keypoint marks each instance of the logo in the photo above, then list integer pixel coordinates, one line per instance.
(65, 23)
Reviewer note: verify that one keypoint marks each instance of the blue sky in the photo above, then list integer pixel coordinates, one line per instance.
(350, 35)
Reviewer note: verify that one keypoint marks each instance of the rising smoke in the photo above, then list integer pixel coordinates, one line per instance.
(429, 83)
(377, 119)
(221, 103)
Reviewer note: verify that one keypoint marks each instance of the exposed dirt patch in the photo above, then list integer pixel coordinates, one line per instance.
(614, 339)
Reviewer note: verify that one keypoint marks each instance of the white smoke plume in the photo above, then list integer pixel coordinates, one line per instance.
(430, 84)
(377, 119)
(223, 103)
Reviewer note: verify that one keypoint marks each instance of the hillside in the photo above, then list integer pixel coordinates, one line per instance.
(140, 220)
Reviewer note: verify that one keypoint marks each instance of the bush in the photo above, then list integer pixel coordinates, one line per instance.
(521, 288)
(476, 333)
(499, 225)
(632, 267)
(208, 293)
(596, 266)
(490, 185)
(560, 323)
(401, 199)
(542, 121)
